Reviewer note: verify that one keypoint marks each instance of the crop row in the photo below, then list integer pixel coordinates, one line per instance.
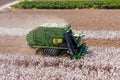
(101, 63)
(97, 4)
(111, 35)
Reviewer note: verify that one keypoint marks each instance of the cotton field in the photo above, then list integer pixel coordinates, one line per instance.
(99, 64)
(102, 35)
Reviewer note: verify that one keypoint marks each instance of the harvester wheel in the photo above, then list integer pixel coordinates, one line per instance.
(40, 51)
(65, 54)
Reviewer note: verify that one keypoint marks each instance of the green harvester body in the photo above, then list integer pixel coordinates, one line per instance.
(56, 39)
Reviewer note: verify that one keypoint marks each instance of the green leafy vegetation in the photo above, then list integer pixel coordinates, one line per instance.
(97, 4)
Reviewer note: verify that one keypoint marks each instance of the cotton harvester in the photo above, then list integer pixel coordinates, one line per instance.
(57, 40)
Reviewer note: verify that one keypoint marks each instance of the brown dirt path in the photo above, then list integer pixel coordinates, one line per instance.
(80, 19)
(14, 45)
(103, 43)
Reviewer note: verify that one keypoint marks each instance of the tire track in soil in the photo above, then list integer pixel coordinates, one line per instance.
(14, 45)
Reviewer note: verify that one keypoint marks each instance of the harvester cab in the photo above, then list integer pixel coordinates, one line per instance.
(57, 40)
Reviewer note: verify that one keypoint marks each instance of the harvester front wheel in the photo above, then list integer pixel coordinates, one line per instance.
(40, 51)
(65, 54)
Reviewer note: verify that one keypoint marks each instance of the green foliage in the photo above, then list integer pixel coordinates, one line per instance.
(83, 50)
(97, 4)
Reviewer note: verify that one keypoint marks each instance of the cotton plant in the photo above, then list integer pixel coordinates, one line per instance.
(111, 35)
(27, 67)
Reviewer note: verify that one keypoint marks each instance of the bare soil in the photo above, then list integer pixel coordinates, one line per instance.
(14, 45)
(102, 43)
(80, 19)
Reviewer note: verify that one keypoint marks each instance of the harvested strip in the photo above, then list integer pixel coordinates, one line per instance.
(15, 44)
(102, 43)
(18, 44)
(84, 19)
(101, 63)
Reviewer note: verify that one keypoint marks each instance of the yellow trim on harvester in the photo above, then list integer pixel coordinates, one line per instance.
(49, 47)
(57, 40)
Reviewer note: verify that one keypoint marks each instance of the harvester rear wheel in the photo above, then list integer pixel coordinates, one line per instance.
(40, 51)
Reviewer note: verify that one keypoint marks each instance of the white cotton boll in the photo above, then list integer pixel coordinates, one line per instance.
(13, 31)
(93, 67)
(112, 35)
